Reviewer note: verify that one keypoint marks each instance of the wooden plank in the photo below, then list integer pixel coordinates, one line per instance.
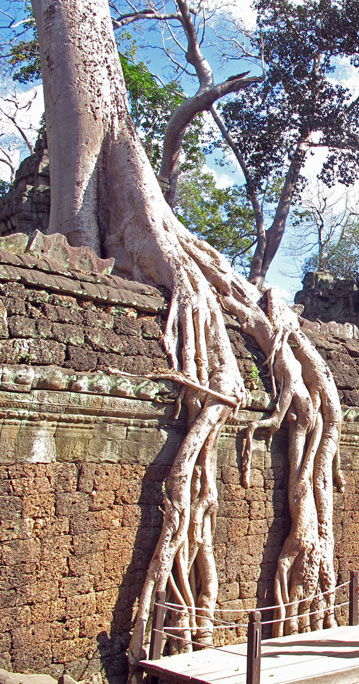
(324, 656)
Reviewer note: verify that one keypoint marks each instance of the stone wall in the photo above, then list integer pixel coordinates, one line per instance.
(26, 207)
(84, 453)
(329, 299)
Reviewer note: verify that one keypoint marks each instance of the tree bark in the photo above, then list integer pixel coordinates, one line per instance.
(105, 194)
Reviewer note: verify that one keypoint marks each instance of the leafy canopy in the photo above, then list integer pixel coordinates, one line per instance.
(298, 98)
(222, 216)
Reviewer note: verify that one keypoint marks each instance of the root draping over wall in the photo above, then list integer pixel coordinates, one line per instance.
(305, 395)
(115, 205)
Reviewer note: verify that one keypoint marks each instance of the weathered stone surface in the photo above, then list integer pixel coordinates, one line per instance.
(15, 678)
(84, 453)
(57, 248)
(332, 302)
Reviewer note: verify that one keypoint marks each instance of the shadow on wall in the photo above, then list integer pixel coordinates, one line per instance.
(263, 504)
(113, 647)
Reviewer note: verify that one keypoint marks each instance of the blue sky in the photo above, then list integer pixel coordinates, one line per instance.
(283, 272)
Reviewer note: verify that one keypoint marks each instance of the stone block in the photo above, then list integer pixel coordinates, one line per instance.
(106, 601)
(10, 507)
(66, 477)
(230, 475)
(69, 586)
(15, 306)
(129, 327)
(80, 358)
(48, 612)
(100, 500)
(66, 333)
(21, 551)
(108, 477)
(92, 542)
(237, 529)
(71, 504)
(235, 509)
(234, 492)
(258, 527)
(71, 649)
(86, 477)
(39, 505)
(66, 629)
(91, 564)
(92, 626)
(21, 326)
(228, 592)
(103, 340)
(33, 636)
(81, 604)
(37, 592)
(151, 329)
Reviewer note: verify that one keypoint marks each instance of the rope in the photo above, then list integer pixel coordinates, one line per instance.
(235, 625)
(179, 607)
(223, 626)
(198, 643)
(295, 617)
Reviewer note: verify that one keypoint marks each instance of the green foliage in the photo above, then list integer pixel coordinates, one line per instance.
(297, 97)
(222, 216)
(24, 53)
(152, 106)
(255, 373)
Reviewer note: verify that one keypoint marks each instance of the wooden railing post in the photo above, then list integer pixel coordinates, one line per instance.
(159, 612)
(353, 597)
(254, 648)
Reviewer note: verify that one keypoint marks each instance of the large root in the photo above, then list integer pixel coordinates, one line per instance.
(202, 285)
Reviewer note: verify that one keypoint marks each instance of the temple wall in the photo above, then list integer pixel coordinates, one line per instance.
(84, 453)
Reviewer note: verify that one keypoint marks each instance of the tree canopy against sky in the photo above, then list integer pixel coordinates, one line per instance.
(297, 108)
(301, 44)
(105, 194)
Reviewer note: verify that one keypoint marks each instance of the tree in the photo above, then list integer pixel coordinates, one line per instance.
(105, 194)
(297, 108)
(335, 233)
(152, 105)
(222, 216)
(17, 131)
(192, 21)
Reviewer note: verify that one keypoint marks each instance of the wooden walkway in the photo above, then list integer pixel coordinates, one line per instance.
(325, 656)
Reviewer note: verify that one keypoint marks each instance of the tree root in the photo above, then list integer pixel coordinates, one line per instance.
(136, 226)
(202, 285)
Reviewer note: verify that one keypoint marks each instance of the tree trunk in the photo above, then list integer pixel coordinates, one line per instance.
(104, 193)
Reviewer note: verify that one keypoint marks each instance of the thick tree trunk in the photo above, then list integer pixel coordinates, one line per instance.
(105, 194)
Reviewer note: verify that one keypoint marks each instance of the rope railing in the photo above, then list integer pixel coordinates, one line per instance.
(254, 625)
(174, 606)
(185, 611)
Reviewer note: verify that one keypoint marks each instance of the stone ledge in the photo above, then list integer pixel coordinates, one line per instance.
(49, 262)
